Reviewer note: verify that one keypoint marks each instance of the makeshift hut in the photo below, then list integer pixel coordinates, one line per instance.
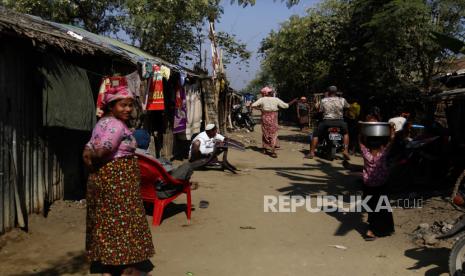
(449, 112)
(50, 78)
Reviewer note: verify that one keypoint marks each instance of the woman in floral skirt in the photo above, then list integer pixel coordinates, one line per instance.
(118, 238)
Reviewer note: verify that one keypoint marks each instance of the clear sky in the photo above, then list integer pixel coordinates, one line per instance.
(251, 24)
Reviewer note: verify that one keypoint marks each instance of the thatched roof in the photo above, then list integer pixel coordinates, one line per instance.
(42, 33)
(73, 39)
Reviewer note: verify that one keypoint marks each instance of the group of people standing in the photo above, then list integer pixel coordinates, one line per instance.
(269, 106)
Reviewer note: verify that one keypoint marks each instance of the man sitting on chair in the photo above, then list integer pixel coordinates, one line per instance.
(204, 143)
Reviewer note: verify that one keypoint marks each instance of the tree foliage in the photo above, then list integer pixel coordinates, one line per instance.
(245, 3)
(234, 48)
(164, 27)
(96, 16)
(382, 49)
(300, 54)
(171, 29)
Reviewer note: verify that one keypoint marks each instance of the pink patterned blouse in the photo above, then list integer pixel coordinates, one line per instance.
(112, 134)
(375, 170)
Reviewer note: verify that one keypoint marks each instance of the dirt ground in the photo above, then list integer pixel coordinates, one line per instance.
(234, 236)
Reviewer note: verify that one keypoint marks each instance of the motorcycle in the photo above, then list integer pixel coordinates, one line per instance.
(331, 143)
(242, 118)
(457, 253)
(415, 162)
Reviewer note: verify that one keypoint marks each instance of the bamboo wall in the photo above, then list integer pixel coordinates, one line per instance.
(30, 174)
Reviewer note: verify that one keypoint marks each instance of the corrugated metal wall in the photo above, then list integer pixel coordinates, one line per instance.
(30, 174)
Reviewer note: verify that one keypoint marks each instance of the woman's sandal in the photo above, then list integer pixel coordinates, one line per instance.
(369, 237)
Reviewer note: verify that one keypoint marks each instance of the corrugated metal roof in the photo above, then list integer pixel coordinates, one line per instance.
(450, 95)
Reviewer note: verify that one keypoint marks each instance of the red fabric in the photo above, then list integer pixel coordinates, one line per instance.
(270, 129)
(156, 100)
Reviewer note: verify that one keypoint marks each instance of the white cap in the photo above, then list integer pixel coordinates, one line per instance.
(210, 127)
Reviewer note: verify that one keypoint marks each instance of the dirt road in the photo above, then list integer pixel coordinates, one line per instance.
(234, 236)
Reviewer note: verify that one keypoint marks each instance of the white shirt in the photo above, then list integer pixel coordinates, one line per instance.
(206, 143)
(398, 123)
(270, 104)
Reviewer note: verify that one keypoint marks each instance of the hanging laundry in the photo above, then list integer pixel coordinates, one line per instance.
(197, 118)
(156, 100)
(183, 76)
(147, 70)
(144, 91)
(104, 86)
(165, 72)
(180, 112)
(190, 114)
(194, 110)
(133, 81)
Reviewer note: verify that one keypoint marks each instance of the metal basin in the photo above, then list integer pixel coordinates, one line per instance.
(375, 129)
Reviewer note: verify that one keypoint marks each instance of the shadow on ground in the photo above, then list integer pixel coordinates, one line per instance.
(298, 138)
(72, 263)
(255, 148)
(171, 210)
(330, 180)
(425, 257)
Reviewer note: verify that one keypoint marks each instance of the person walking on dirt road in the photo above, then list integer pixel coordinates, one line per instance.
(270, 106)
(375, 151)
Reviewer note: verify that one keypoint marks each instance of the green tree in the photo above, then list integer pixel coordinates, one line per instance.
(380, 49)
(387, 51)
(170, 29)
(245, 3)
(299, 55)
(165, 28)
(96, 16)
(234, 48)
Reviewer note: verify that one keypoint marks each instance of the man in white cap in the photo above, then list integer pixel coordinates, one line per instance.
(204, 143)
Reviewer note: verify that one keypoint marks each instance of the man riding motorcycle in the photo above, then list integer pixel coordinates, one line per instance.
(332, 108)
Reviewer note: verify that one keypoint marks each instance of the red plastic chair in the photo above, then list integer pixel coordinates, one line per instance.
(151, 171)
